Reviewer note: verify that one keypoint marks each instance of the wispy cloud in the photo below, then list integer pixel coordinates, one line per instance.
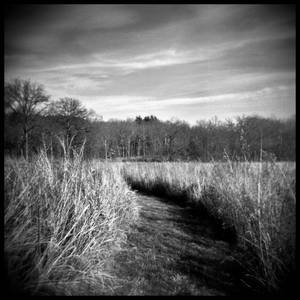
(266, 102)
(163, 58)
(172, 60)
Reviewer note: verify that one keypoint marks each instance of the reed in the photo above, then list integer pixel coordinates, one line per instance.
(256, 200)
(63, 221)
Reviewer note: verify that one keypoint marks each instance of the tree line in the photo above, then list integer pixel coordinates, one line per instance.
(33, 122)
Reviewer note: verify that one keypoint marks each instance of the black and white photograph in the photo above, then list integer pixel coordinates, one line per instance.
(149, 149)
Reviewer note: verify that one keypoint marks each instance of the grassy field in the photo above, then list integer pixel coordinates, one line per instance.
(64, 219)
(254, 202)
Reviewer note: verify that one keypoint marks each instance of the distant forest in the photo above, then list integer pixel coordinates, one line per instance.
(33, 122)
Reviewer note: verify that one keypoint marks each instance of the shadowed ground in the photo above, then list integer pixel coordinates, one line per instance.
(171, 251)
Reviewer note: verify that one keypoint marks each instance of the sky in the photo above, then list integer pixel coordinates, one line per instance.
(188, 62)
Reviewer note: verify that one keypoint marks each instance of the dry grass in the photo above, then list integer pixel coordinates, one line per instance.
(63, 220)
(256, 200)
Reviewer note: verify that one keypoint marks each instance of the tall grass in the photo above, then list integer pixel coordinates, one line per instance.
(256, 200)
(63, 220)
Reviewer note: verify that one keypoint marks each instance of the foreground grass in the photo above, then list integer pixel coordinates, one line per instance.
(63, 220)
(254, 201)
(173, 251)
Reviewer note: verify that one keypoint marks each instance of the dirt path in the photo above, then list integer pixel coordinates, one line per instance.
(171, 251)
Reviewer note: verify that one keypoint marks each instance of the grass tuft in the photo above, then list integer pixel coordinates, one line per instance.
(63, 220)
(254, 202)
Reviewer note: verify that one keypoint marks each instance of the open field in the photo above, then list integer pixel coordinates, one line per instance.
(150, 150)
(66, 220)
(254, 202)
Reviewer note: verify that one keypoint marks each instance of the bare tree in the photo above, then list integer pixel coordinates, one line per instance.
(25, 98)
(68, 107)
(93, 116)
(72, 114)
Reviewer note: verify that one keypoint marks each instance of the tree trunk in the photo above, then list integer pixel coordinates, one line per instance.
(105, 147)
(128, 148)
(25, 141)
(26, 145)
(139, 148)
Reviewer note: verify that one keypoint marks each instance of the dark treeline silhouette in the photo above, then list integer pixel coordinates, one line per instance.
(33, 122)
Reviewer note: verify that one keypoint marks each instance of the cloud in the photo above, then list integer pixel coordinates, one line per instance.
(163, 58)
(266, 101)
(178, 58)
(264, 54)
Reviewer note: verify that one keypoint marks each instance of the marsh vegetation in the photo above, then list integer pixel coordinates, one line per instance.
(66, 219)
(72, 202)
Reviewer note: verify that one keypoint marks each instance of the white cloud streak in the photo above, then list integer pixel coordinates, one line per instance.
(119, 61)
